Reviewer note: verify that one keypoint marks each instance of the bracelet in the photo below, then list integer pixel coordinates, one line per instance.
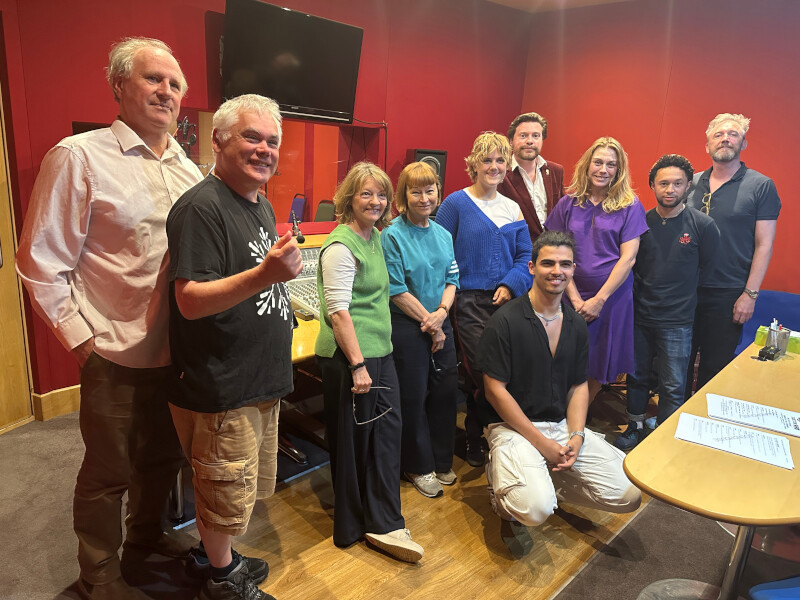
(444, 307)
(357, 366)
(579, 433)
(752, 293)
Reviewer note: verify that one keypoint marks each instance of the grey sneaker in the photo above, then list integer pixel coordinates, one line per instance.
(397, 543)
(426, 484)
(237, 586)
(446, 477)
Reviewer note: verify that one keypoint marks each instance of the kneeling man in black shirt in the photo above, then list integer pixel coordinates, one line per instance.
(533, 354)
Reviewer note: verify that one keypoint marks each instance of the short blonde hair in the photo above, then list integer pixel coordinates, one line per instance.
(416, 174)
(620, 192)
(353, 183)
(486, 143)
(741, 121)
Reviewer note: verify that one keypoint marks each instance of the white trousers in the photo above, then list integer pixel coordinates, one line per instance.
(527, 490)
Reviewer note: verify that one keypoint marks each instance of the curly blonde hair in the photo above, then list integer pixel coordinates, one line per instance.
(620, 192)
(353, 183)
(486, 143)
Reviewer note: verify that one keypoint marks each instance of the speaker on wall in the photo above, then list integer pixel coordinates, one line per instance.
(435, 158)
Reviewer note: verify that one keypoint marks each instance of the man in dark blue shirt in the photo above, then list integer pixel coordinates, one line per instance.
(745, 206)
(681, 242)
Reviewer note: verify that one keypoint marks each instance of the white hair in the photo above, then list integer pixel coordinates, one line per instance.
(228, 114)
(741, 121)
(120, 59)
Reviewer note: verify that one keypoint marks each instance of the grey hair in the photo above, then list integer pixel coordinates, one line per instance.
(742, 122)
(227, 114)
(120, 59)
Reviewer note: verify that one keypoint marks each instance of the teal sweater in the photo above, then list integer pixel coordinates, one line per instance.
(369, 307)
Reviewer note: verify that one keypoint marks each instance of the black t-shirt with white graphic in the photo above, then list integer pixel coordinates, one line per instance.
(242, 355)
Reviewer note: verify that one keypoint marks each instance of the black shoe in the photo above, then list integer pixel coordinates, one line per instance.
(236, 586)
(199, 567)
(474, 452)
(628, 439)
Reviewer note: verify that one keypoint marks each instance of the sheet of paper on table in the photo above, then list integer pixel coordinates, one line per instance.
(754, 415)
(750, 443)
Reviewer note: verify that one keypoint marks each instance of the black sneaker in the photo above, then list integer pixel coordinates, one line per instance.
(199, 567)
(236, 586)
(628, 439)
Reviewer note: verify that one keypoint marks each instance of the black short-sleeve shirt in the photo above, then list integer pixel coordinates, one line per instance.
(514, 349)
(735, 207)
(242, 355)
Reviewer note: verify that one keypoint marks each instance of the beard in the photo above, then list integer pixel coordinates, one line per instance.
(725, 154)
(678, 201)
(526, 154)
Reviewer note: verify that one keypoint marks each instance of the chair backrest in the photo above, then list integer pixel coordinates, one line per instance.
(325, 211)
(298, 206)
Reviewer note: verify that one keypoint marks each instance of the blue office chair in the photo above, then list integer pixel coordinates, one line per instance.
(325, 211)
(298, 206)
(784, 589)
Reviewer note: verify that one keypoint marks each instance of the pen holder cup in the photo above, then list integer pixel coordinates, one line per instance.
(778, 338)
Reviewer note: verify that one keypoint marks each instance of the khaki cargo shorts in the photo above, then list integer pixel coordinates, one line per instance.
(234, 458)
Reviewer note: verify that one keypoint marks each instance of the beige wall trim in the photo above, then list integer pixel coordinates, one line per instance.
(55, 403)
(15, 425)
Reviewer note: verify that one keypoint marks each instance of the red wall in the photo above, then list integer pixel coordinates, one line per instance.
(437, 71)
(654, 73)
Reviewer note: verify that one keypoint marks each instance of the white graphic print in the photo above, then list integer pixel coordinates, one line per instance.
(277, 296)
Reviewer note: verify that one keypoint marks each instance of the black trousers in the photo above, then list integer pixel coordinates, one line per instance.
(428, 396)
(365, 459)
(715, 335)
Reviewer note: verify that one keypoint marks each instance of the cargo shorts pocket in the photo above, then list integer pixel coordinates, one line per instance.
(221, 491)
(504, 470)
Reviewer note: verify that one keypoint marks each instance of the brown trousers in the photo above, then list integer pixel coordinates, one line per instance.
(130, 445)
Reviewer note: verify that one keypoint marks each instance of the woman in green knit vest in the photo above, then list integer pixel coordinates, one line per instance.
(360, 388)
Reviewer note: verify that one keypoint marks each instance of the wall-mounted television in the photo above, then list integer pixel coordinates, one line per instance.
(308, 64)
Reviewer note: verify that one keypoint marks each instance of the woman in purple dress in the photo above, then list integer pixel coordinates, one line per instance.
(601, 211)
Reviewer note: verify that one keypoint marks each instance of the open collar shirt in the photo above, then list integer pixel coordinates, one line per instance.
(535, 188)
(93, 248)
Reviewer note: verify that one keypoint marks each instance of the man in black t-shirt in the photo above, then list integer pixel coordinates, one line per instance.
(231, 338)
(681, 242)
(533, 354)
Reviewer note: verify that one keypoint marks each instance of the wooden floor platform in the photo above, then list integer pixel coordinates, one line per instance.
(469, 552)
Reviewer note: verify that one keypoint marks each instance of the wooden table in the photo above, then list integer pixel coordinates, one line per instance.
(719, 485)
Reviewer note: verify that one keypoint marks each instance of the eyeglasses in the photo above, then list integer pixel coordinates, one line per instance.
(438, 369)
(377, 387)
(706, 208)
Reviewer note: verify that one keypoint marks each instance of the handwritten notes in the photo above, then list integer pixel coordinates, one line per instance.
(753, 415)
(750, 443)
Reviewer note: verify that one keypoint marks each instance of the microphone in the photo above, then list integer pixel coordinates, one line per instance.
(296, 230)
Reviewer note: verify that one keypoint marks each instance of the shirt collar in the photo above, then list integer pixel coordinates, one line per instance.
(736, 176)
(129, 139)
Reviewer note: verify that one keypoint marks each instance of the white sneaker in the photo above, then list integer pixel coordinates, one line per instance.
(397, 543)
(426, 484)
(446, 477)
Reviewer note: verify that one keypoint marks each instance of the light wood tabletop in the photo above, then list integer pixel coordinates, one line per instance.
(303, 340)
(716, 484)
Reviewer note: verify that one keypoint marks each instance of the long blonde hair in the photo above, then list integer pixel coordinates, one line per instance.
(620, 192)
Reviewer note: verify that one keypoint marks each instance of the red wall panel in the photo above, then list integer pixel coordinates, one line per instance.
(654, 73)
(437, 71)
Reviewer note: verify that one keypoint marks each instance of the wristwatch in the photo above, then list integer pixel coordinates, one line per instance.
(580, 433)
(752, 293)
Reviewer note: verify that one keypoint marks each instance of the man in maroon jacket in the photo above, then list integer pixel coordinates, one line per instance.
(532, 182)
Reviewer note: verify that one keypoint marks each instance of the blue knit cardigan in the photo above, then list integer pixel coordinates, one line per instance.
(487, 256)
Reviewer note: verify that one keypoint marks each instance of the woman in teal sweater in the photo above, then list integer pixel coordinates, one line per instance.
(360, 388)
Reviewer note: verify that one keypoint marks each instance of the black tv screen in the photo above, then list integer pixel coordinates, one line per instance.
(307, 64)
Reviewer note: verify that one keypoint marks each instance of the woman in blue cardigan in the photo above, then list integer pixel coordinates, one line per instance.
(492, 248)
